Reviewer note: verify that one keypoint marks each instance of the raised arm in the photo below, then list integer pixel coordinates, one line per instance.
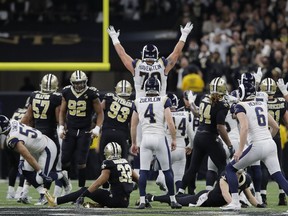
(125, 58)
(283, 88)
(173, 57)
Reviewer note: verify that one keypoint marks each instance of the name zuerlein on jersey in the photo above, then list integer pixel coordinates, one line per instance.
(149, 67)
(150, 99)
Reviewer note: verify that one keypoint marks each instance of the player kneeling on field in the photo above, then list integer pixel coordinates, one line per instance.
(115, 170)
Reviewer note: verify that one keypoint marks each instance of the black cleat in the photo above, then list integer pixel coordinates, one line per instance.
(264, 199)
(175, 205)
(149, 197)
(147, 204)
(282, 199)
(141, 206)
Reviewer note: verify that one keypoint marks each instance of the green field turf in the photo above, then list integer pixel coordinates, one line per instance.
(11, 207)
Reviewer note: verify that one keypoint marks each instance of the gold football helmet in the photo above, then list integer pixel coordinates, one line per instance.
(218, 86)
(112, 151)
(78, 81)
(269, 86)
(49, 83)
(123, 88)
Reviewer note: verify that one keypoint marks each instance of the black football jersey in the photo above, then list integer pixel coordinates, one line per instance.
(79, 107)
(277, 108)
(212, 114)
(19, 113)
(120, 179)
(117, 113)
(43, 106)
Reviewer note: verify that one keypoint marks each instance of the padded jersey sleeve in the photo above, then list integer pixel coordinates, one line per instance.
(239, 108)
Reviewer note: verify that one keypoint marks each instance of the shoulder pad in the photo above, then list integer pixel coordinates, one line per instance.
(107, 164)
(109, 94)
(92, 88)
(57, 93)
(67, 87)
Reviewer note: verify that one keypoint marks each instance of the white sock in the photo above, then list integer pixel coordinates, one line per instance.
(235, 197)
(142, 199)
(263, 192)
(11, 189)
(281, 191)
(172, 198)
(57, 191)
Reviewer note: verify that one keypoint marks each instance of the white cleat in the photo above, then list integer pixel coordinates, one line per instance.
(231, 207)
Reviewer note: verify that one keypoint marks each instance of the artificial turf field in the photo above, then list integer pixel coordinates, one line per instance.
(11, 207)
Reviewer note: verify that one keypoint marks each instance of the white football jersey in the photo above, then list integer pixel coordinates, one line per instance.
(151, 113)
(261, 96)
(257, 115)
(33, 139)
(183, 125)
(143, 71)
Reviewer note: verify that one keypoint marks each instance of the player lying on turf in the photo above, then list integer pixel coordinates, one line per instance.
(217, 197)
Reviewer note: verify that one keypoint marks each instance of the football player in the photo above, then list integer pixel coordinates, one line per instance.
(43, 114)
(115, 170)
(14, 159)
(151, 112)
(218, 196)
(262, 145)
(277, 108)
(150, 64)
(78, 104)
(38, 150)
(213, 110)
(183, 124)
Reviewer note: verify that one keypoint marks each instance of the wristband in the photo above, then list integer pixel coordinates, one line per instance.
(115, 40)
(183, 37)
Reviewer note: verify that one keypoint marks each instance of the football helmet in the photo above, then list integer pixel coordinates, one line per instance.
(123, 88)
(112, 151)
(152, 86)
(78, 81)
(174, 100)
(269, 86)
(4, 124)
(247, 78)
(150, 53)
(49, 83)
(246, 90)
(218, 86)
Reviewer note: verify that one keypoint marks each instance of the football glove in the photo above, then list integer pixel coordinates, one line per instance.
(191, 97)
(20, 166)
(61, 131)
(45, 178)
(95, 131)
(282, 86)
(258, 75)
(231, 151)
(113, 34)
(185, 31)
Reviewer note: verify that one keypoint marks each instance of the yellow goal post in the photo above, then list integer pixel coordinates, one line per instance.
(68, 66)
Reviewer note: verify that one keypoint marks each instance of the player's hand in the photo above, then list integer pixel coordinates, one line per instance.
(237, 155)
(134, 149)
(61, 132)
(258, 75)
(282, 86)
(173, 145)
(20, 167)
(188, 150)
(95, 131)
(45, 178)
(231, 151)
(113, 34)
(185, 31)
(191, 97)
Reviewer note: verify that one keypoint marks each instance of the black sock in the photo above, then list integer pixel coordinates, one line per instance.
(81, 177)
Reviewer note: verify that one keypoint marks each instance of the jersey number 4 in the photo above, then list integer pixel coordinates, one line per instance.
(149, 113)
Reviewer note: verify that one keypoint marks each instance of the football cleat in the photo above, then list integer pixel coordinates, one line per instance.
(123, 89)
(175, 205)
(42, 200)
(112, 151)
(49, 83)
(68, 185)
(50, 199)
(218, 86)
(78, 81)
(231, 207)
(282, 200)
(24, 200)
